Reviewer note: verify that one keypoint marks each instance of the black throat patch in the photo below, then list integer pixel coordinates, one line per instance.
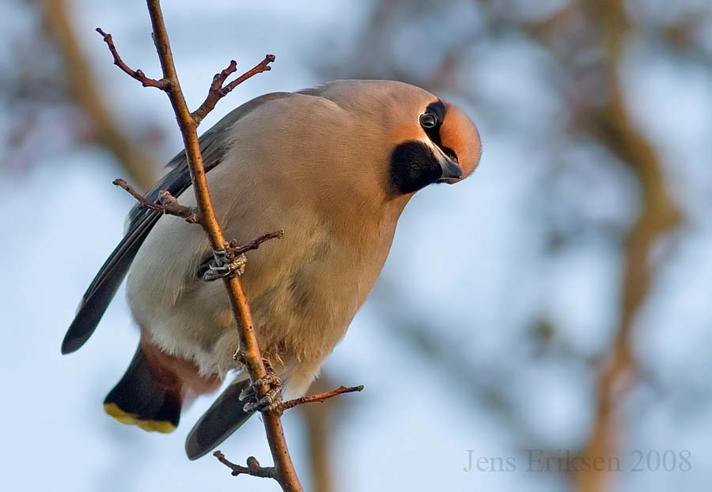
(413, 166)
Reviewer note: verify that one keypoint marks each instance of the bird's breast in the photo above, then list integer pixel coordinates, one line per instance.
(304, 289)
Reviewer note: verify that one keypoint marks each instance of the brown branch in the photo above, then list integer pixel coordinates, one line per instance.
(217, 91)
(285, 473)
(121, 183)
(168, 203)
(249, 355)
(254, 244)
(253, 467)
(172, 207)
(318, 398)
(136, 74)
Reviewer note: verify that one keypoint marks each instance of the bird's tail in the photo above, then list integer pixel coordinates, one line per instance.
(138, 399)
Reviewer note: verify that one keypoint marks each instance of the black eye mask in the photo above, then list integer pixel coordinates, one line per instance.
(435, 111)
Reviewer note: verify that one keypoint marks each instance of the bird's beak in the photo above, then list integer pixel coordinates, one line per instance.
(451, 170)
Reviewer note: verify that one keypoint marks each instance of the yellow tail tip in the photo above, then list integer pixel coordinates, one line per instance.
(116, 412)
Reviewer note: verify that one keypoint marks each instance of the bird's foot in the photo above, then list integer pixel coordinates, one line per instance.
(269, 401)
(224, 264)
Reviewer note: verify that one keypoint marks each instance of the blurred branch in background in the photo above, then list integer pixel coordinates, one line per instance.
(586, 42)
(608, 189)
(84, 90)
(320, 427)
(658, 215)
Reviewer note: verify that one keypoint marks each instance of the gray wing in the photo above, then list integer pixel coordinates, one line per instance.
(223, 418)
(141, 220)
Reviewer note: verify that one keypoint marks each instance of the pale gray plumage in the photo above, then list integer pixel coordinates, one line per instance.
(318, 164)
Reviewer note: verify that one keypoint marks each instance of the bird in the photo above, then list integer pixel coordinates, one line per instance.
(333, 167)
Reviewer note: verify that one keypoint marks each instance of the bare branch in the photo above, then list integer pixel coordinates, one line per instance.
(249, 354)
(168, 203)
(172, 207)
(121, 183)
(254, 244)
(217, 91)
(253, 467)
(286, 475)
(136, 74)
(319, 397)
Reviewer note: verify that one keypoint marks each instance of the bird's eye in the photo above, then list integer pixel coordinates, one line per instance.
(428, 120)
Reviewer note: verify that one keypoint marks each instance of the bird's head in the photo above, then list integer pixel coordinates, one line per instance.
(421, 138)
(438, 144)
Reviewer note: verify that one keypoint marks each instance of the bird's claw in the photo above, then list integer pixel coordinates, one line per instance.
(224, 265)
(267, 402)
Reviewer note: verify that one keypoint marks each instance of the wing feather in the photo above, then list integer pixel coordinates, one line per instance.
(141, 221)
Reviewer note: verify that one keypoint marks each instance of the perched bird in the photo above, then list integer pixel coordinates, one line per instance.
(333, 167)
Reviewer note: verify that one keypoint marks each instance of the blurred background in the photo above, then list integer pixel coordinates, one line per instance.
(570, 320)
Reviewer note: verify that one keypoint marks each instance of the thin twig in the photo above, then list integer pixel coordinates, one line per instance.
(136, 74)
(168, 203)
(232, 261)
(121, 183)
(217, 91)
(318, 398)
(172, 207)
(249, 355)
(236, 250)
(253, 467)
(285, 474)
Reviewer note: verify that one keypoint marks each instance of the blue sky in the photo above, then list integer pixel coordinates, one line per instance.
(412, 427)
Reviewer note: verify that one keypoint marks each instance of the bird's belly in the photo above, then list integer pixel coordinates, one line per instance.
(304, 291)
(298, 317)
(292, 326)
